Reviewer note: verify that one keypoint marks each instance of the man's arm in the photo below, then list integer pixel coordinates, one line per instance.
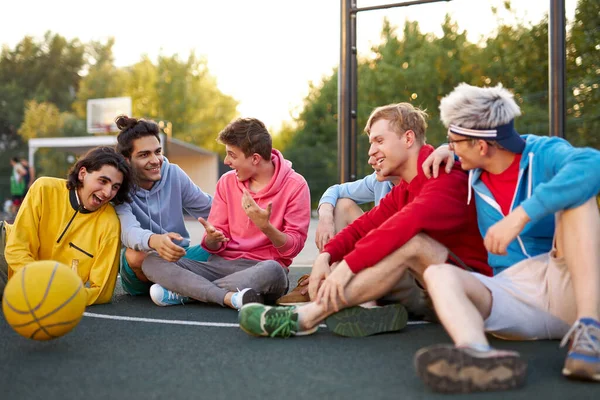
(361, 191)
(132, 233)
(219, 221)
(194, 200)
(441, 206)
(103, 274)
(290, 240)
(574, 178)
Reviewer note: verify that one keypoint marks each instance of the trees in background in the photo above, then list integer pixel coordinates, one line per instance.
(421, 68)
(45, 84)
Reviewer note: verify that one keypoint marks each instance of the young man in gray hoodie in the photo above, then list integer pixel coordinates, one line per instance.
(154, 220)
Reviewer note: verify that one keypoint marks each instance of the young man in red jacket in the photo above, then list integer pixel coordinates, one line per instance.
(420, 221)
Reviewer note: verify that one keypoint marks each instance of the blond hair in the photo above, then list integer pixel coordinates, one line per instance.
(402, 117)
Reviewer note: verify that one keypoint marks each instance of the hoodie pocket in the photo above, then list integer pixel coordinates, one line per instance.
(90, 255)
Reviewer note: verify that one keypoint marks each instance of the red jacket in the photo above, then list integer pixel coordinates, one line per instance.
(437, 207)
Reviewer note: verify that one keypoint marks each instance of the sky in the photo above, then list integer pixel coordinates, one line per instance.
(263, 53)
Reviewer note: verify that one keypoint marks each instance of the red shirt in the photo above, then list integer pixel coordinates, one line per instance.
(503, 185)
(437, 207)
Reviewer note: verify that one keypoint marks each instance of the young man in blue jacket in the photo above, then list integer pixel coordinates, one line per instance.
(154, 220)
(536, 208)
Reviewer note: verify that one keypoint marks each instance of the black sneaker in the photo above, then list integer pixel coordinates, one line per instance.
(361, 321)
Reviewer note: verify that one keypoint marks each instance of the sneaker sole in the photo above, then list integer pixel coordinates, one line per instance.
(581, 371)
(291, 303)
(446, 369)
(360, 321)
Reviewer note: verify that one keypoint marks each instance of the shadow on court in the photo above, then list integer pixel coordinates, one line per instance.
(201, 354)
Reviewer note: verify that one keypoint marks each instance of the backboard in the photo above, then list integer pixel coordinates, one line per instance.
(101, 113)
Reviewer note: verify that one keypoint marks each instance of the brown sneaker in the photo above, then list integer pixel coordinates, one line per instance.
(450, 369)
(294, 297)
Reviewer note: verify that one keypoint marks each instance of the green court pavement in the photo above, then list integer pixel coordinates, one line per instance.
(203, 355)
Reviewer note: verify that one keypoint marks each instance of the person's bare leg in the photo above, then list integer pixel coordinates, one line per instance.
(375, 282)
(578, 240)
(344, 213)
(135, 259)
(461, 301)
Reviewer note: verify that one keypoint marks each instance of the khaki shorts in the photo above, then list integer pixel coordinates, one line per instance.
(531, 300)
(413, 297)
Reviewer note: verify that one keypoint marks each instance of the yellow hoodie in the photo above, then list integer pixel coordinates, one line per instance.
(51, 225)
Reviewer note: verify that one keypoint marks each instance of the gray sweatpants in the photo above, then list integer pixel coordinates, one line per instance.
(209, 281)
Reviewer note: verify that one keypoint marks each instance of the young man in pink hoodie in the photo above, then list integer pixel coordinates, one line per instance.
(257, 224)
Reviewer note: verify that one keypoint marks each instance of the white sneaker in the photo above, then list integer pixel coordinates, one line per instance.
(246, 296)
(164, 297)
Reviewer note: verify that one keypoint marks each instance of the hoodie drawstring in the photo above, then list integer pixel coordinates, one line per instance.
(530, 174)
(469, 187)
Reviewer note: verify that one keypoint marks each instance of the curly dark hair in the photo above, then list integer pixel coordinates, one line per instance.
(250, 135)
(94, 160)
(132, 129)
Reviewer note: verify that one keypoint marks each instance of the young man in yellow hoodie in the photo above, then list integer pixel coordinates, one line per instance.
(72, 222)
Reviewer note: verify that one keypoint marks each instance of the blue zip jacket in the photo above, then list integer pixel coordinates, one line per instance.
(553, 176)
(360, 191)
(160, 209)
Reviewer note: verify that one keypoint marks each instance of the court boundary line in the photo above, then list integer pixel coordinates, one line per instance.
(189, 323)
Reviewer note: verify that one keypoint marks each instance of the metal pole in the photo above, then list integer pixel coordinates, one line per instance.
(556, 67)
(345, 92)
(347, 85)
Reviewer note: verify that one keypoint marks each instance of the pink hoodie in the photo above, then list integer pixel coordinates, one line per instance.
(289, 193)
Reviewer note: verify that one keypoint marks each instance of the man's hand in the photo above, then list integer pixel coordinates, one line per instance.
(499, 235)
(331, 293)
(214, 237)
(259, 216)
(325, 227)
(164, 246)
(320, 271)
(442, 155)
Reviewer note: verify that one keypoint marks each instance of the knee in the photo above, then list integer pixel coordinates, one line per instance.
(273, 269)
(345, 206)
(438, 274)
(135, 258)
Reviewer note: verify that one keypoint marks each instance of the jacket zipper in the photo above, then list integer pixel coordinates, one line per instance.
(80, 249)
(67, 227)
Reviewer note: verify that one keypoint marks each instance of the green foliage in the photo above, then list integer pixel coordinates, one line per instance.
(45, 71)
(422, 68)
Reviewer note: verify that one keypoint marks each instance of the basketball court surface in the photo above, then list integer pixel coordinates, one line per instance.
(133, 349)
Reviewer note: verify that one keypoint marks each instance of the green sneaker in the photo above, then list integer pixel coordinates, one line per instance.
(361, 321)
(260, 320)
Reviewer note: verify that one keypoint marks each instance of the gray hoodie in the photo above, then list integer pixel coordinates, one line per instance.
(160, 209)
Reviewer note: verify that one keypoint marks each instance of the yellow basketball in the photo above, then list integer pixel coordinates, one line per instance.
(44, 300)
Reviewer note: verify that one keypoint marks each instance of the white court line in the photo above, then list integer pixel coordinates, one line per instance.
(194, 323)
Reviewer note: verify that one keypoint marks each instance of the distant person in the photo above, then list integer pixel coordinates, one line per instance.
(339, 207)
(18, 186)
(382, 255)
(154, 220)
(72, 221)
(29, 173)
(257, 224)
(536, 206)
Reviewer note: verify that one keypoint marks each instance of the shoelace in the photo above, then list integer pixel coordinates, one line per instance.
(582, 338)
(280, 320)
(175, 296)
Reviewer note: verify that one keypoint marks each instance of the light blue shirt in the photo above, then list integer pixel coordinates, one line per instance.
(361, 191)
